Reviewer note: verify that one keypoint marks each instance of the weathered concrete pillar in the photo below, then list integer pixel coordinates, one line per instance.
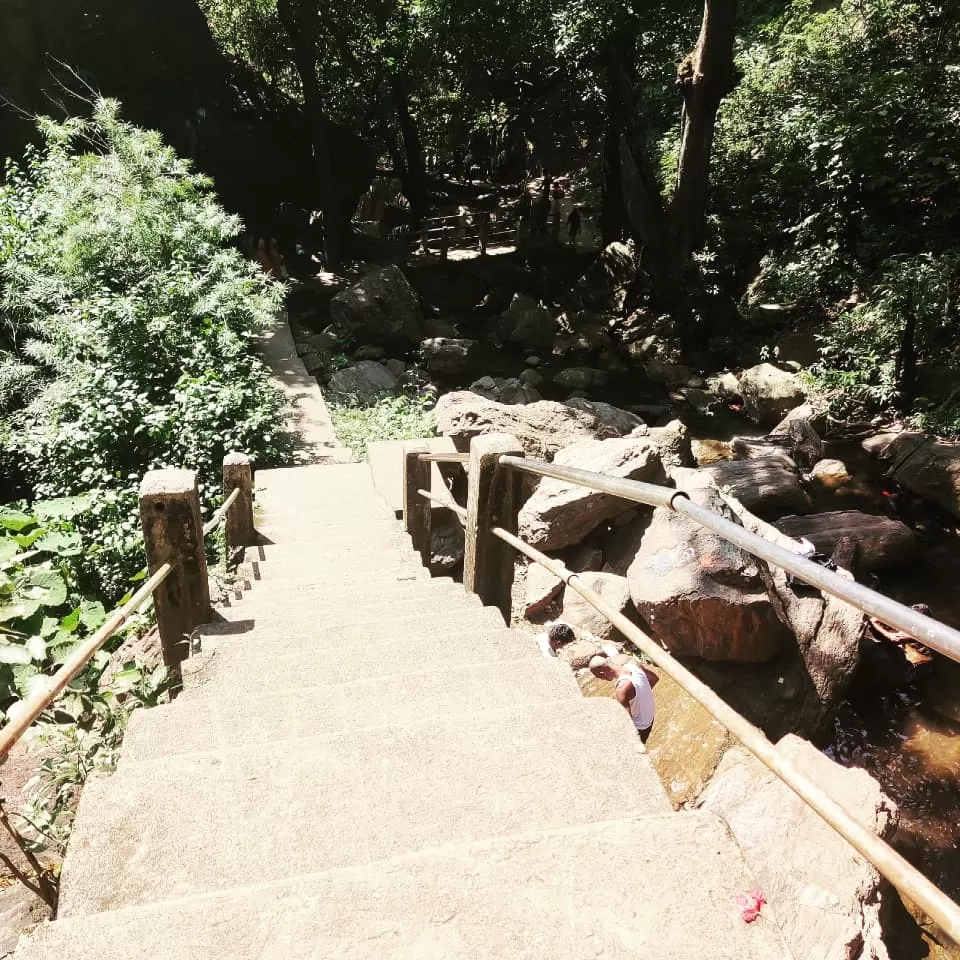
(238, 523)
(173, 533)
(417, 510)
(493, 500)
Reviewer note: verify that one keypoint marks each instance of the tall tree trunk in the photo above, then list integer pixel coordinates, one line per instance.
(415, 174)
(670, 233)
(300, 21)
(705, 77)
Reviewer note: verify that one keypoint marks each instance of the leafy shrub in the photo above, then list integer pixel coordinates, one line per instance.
(125, 326)
(390, 418)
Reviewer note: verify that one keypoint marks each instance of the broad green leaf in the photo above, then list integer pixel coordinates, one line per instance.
(13, 653)
(126, 679)
(29, 539)
(37, 648)
(21, 609)
(8, 549)
(63, 508)
(48, 587)
(62, 544)
(49, 627)
(71, 621)
(92, 614)
(15, 519)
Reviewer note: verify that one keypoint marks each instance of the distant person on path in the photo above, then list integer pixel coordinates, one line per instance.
(483, 225)
(633, 688)
(573, 226)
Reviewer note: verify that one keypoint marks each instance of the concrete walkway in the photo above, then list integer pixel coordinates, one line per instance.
(309, 418)
(365, 763)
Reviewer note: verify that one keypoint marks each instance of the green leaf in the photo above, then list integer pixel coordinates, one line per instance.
(12, 653)
(15, 519)
(71, 621)
(48, 587)
(37, 648)
(92, 614)
(8, 549)
(28, 539)
(49, 627)
(63, 508)
(20, 609)
(63, 544)
(125, 680)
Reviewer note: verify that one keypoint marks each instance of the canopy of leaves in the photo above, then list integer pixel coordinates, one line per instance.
(125, 329)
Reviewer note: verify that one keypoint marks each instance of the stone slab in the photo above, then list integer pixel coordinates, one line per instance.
(159, 831)
(386, 459)
(208, 724)
(657, 887)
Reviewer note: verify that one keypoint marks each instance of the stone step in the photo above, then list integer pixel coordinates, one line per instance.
(334, 569)
(361, 591)
(331, 618)
(658, 887)
(208, 724)
(158, 830)
(330, 535)
(241, 667)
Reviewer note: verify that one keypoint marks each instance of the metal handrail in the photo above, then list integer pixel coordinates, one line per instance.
(445, 457)
(445, 502)
(23, 714)
(932, 633)
(896, 868)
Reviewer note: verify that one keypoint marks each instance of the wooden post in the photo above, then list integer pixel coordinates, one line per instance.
(173, 533)
(238, 523)
(493, 500)
(417, 510)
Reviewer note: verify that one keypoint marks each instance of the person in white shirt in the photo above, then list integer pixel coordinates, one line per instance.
(557, 635)
(633, 688)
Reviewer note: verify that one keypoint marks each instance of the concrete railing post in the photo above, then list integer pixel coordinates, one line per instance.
(417, 510)
(173, 533)
(238, 523)
(493, 500)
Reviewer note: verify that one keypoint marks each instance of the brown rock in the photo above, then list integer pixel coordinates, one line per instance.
(827, 905)
(541, 589)
(831, 475)
(702, 596)
(770, 393)
(881, 541)
(928, 467)
(542, 428)
(769, 487)
(672, 442)
(613, 590)
(561, 514)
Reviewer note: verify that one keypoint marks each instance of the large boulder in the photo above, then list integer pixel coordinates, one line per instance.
(769, 393)
(604, 284)
(581, 378)
(622, 421)
(700, 595)
(928, 467)
(541, 588)
(365, 381)
(542, 428)
(613, 590)
(381, 308)
(769, 487)
(672, 442)
(881, 542)
(447, 356)
(827, 900)
(560, 514)
(528, 323)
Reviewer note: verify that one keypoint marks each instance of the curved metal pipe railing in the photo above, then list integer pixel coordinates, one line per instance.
(938, 636)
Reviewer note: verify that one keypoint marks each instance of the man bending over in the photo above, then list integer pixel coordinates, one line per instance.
(633, 688)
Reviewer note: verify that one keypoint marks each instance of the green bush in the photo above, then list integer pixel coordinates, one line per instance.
(390, 418)
(125, 329)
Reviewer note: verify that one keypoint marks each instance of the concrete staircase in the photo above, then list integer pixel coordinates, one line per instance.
(365, 763)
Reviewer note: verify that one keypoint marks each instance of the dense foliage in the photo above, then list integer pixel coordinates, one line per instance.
(125, 325)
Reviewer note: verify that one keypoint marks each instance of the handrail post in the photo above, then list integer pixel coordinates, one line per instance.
(416, 509)
(493, 500)
(238, 523)
(173, 533)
